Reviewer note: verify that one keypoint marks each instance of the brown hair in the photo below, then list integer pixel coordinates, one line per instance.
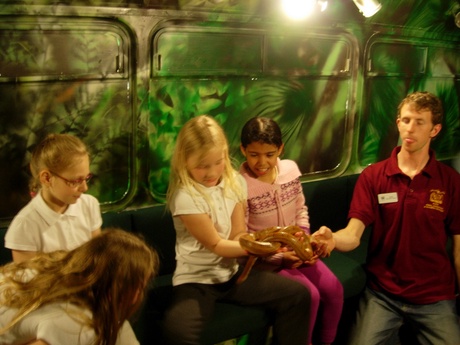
(104, 276)
(423, 100)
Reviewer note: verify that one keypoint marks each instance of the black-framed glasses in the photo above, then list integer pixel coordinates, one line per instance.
(74, 183)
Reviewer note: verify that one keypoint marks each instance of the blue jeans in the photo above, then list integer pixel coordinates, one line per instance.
(380, 317)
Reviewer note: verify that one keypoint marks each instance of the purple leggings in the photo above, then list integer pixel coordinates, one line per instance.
(326, 298)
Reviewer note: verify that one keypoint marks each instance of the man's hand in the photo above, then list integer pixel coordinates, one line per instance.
(320, 248)
(324, 242)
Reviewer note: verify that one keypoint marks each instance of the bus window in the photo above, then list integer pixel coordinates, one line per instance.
(395, 68)
(67, 75)
(303, 81)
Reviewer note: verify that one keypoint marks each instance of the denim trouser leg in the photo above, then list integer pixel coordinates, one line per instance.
(436, 323)
(379, 319)
(376, 322)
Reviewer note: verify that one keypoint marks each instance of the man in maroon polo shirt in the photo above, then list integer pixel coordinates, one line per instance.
(412, 202)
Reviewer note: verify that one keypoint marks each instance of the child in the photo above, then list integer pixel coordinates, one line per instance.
(81, 297)
(206, 198)
(275, 198)
(59, 216)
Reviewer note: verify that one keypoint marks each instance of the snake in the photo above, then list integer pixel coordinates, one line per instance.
(267, 242)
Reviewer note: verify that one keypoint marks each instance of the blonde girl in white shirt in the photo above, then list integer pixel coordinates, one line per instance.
(206, 197)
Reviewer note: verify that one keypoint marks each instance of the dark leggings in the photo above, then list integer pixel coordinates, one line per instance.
(193, 305)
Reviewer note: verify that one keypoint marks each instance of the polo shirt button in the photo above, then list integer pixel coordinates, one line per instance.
(411, 190)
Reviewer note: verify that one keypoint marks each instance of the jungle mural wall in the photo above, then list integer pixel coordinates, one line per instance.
(126, 75)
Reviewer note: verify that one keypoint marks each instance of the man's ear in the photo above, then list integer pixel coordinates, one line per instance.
(435, 130)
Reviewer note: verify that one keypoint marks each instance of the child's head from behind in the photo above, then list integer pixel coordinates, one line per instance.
(201, 152)
(106, 275)
(262, 144)
(116, 266)
(60, 165)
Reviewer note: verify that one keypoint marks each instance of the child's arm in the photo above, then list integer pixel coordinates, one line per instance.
(202, 228)
(21, 255)
(238, 221)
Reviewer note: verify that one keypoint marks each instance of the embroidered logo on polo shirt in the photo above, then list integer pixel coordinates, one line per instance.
(436, 200)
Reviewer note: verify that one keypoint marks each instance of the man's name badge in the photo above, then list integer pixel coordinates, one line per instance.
(387, 198)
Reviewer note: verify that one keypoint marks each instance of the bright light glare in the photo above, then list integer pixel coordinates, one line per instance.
(368, 7)
(298, 9)
(322, 5)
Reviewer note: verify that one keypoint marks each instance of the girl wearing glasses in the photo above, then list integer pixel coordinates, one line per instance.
(60, 215)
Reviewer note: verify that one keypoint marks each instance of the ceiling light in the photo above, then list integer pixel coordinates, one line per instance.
(368, 7)
(300, 9)
(322, 5)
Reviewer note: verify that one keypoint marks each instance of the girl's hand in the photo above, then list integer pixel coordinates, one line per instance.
(291, 260)
(312, 261)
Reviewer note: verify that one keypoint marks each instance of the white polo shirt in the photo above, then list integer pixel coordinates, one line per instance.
(55, 323)
(38, 228)
(195, 263)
